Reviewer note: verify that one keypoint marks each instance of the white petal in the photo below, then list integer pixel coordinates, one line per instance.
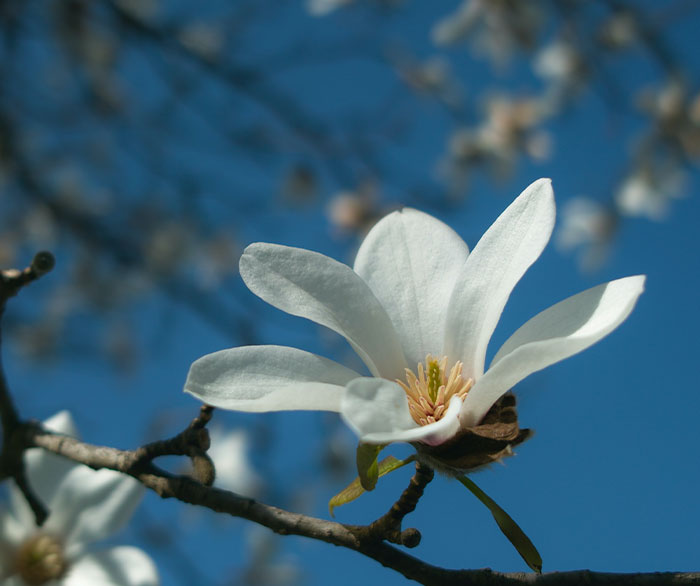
(314, 286)
(90, 505)
(496, 264)
(411, 260)
(62, 422)
(12, 531)
(268, 378)
(377, 411)
(554, 334)
(45, 471)
(118, 566)
(20, 510)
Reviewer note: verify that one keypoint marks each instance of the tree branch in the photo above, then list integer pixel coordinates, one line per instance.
(287, 523)
(11, 462)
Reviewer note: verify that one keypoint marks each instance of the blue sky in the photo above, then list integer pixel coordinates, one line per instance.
(609, 481)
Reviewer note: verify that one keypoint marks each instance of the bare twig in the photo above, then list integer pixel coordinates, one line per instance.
(11, 462)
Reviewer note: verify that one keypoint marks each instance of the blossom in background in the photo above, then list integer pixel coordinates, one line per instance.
(229, 452)
(649, 190)
(589, 227)
(564, 68)
(510, 128)
(85, 506)
(419, 310)
(354, 211)
(498, 27)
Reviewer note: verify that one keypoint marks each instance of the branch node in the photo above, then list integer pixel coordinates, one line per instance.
(203, 470)
(410, 537)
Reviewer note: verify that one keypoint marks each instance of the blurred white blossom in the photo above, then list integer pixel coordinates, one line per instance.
(586, 226)
(84, 506)
(354, 211)
(509, 129)
(564, 69)
(648, 191)
(230, 453)
(496, 27)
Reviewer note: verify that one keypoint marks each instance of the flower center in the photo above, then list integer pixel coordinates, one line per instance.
(40, 560)
(430, 392)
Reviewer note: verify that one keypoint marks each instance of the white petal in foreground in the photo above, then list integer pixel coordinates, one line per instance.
(118, 566)
(507, 249)
(411, 260)
(377, 411)
(314, 286)
(91, 505)
(268, 378)
(561, 331)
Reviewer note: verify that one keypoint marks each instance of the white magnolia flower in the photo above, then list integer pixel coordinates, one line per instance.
(85, 506)
(419, 310)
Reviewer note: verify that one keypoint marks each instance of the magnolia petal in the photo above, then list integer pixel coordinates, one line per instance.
(45, 471)
(314, 286)
(556, 333)
(91, 505)
(377, 411)
(268, 378)
(411, 260)
(507, 249)
(118, 566)
(12, 530)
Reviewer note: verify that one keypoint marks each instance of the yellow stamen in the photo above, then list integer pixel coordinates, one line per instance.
(428, 396)
(40, 560)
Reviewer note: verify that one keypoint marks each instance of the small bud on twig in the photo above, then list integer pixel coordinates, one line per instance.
(42, 263)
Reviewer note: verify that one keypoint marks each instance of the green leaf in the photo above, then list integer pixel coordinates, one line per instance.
(355, 490)
(366, 459)
(510, 528)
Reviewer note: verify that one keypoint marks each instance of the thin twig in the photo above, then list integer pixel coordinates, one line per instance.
(11, 461)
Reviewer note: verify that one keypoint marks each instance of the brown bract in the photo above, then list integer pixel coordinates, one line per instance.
(478, 446)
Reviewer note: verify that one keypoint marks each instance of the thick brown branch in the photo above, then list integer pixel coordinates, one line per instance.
(287, 523)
